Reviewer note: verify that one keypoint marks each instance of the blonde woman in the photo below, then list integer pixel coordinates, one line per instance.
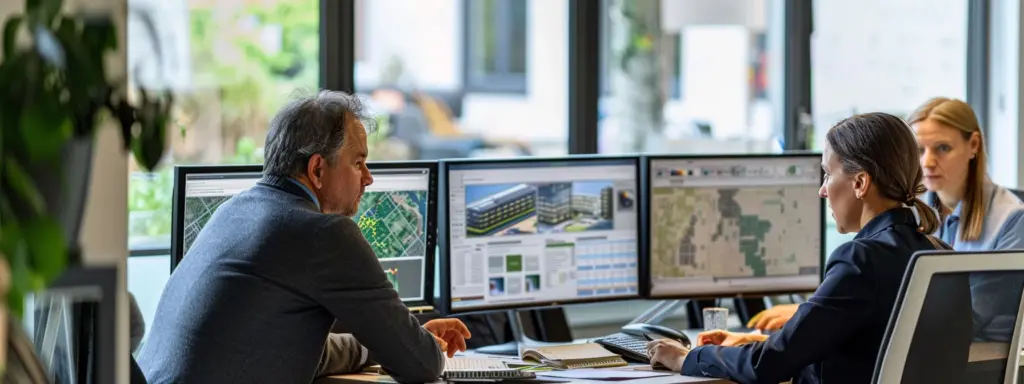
(975, 213)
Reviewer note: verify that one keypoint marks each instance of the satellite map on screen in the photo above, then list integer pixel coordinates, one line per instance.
(394, 222)
(729, 232)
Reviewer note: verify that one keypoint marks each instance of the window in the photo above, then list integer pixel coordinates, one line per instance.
(683, 76)
(671, 59)
(689, 76)
(903, 54)
(233, 64)
(146, 279)
(495, 45)
(451, 81)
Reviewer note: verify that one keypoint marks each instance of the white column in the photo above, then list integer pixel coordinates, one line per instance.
(104, 235)
(1004, 140)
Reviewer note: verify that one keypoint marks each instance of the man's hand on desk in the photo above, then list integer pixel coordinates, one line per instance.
(728, 339)
(773, 318)
(450, 334)
(668, 353)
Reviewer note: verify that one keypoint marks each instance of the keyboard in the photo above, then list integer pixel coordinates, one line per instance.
(635, 347)
(473, 364)
(628, 346)
(481, 369)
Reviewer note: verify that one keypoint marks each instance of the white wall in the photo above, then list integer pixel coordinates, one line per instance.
(716, 64)
(880, 55)
(1005, 101)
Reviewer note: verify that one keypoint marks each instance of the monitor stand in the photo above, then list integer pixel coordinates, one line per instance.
(658, 312)
(519, 338)
(654, 315)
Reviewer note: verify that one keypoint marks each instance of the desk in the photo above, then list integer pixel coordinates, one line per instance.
(373, 378)
(675, 378)
(987, 351)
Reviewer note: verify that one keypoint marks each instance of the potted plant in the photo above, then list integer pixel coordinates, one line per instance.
(55, 93)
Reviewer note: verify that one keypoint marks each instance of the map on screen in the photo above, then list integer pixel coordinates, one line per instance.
(394, 222)
(732, 232)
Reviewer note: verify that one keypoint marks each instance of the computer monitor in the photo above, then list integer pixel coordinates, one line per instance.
(533, 232)
(198, 192)
(397, 215)
(733, 225)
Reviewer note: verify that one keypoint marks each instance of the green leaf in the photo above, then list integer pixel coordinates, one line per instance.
(16, 302)
(47, 248)
(43, 11)
(48, 47)
(21, 273)
(23, 186)
(6, 215)
(12, 73)
(10, 34)
(149, 146)
(99, 35)
(44, 129)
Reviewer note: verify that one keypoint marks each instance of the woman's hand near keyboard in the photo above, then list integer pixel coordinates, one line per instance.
(728, 339)
(773, 318)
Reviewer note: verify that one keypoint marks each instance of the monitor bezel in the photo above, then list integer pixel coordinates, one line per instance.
(645, 273)
(444, 235)
(923, 265)
(430, 257)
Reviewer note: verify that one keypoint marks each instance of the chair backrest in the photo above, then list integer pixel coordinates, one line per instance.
(931, 337)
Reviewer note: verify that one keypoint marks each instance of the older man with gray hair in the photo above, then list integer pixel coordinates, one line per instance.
(276, 266)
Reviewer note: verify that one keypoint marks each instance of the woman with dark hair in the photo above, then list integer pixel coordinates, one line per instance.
(872, 180)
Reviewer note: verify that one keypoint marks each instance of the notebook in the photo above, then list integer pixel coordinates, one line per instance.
(572, 356)
(481, 369)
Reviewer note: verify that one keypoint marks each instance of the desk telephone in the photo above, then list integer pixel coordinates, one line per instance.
(631, 343)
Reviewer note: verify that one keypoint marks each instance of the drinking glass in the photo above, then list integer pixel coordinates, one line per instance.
(715, 318)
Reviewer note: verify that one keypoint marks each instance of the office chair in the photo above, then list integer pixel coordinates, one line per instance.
(931, 338)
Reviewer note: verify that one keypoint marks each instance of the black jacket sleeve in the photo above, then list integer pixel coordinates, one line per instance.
(846, 297)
